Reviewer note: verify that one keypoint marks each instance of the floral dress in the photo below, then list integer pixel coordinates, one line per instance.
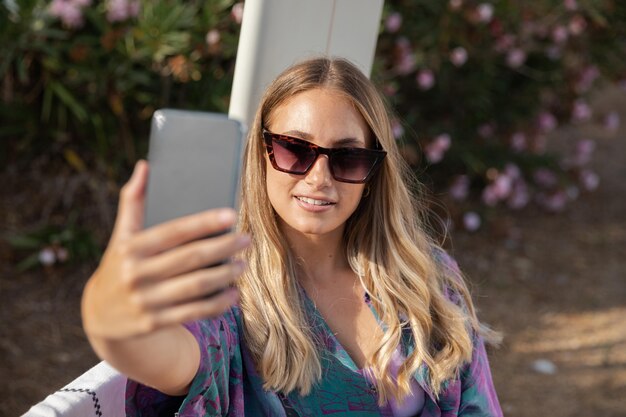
(227, 383)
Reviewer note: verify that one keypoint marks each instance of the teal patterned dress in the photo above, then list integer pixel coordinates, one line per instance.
(227, 383)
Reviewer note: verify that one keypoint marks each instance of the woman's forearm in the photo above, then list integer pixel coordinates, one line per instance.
(166, 359)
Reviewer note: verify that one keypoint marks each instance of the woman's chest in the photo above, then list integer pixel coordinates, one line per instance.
(350, 319)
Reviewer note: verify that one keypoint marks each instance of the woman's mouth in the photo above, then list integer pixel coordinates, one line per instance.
(314, 201)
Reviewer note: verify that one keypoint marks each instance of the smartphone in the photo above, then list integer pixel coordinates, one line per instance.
(195, 163)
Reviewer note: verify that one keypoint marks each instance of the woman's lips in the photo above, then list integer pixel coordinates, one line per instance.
(314, 204)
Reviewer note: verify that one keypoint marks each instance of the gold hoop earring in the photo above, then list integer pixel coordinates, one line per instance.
(366, 192)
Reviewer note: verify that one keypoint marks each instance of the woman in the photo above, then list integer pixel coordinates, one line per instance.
(342, 303)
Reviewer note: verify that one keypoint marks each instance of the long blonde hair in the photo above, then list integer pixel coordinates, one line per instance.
(386, 246)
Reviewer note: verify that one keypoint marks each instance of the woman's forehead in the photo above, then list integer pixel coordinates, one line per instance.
(319, 114)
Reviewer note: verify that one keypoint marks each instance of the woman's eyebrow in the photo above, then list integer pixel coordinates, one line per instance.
(348, 141)
(339, 142)
(300, 134)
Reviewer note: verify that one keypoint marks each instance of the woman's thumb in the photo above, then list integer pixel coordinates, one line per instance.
(130, 211)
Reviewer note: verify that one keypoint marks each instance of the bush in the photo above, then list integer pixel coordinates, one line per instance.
(479, 84)
(482, 84)
(87, 77)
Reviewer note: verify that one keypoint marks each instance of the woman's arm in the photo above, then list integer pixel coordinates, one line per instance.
(150, 282)
(478, 395)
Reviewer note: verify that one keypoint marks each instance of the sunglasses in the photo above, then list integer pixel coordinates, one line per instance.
(297, 156)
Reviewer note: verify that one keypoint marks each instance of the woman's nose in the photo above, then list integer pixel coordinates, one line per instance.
(319, 175)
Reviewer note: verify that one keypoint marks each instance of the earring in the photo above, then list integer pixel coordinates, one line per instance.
(366, 192)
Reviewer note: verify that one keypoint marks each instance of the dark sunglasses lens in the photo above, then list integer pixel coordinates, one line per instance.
(353, 165)
(293, 157)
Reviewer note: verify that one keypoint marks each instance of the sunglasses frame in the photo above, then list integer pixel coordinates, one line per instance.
(268, 137)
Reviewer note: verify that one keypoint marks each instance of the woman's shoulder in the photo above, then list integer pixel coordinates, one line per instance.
(221, 330)
(443, 259)
(453, 283)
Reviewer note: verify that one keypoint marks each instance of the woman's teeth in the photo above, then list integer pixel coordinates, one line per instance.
(314, 202)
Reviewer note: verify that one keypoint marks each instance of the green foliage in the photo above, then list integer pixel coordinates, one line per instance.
(479, 84)
(52, 244)
(96, 85)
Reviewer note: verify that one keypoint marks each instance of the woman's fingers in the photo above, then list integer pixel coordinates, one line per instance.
(191, 287)
(209, 307)
(175, 232)
(189, 257)
(131, 206)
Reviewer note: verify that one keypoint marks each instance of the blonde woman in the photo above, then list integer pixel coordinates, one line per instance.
(343, 304)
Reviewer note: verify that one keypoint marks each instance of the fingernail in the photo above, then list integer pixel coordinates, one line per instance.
(227, 216)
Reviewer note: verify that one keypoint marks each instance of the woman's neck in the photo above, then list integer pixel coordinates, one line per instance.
(320, 259)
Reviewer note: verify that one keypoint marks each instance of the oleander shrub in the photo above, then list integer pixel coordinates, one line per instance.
(476, 85)
(479, 85)
(85, 76)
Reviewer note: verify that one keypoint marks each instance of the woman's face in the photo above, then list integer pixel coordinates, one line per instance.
(315, 203)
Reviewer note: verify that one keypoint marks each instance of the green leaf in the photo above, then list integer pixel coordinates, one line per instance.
(32, 261)
(68, 99)
(24, 242)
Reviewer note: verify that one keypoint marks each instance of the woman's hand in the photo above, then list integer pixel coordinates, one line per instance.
(154, 278)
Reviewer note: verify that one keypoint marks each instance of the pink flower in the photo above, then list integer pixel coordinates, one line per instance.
(577, 25)
(587, 78)
(47, 256)
(436, 149)
(554, 202)
(459, 190)
(512, 171)
(68, 12)
(390, 89)
(502, 186)
(516, 58)
(545, 178)
(397, 129)
(485, 12)
(121, 10)
(458, 56)
(546, 121)
(213, 37)
(589, 180)
(236, 13)
(486, 130)
(425, 79)
(581, 111)
(520, 197)
(471, 221)
(518, 142)
(405, 61)
(490, 196)
(504, 43)
(583, 152)
(406, 64)
(559, 34)
(62, 254)
(133, 8)
(612, 121)
(570, 5)
(393, 22)
(455, 5)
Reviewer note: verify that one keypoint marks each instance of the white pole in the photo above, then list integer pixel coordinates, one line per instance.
(278, 33)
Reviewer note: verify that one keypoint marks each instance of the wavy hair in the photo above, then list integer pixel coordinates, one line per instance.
(386, 245)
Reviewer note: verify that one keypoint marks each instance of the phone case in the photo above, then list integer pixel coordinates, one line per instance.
(195, 162)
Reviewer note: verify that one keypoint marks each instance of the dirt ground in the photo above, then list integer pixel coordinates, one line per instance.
(552, 283)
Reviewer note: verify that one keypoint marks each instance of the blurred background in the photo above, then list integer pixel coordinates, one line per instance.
(509, 111)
